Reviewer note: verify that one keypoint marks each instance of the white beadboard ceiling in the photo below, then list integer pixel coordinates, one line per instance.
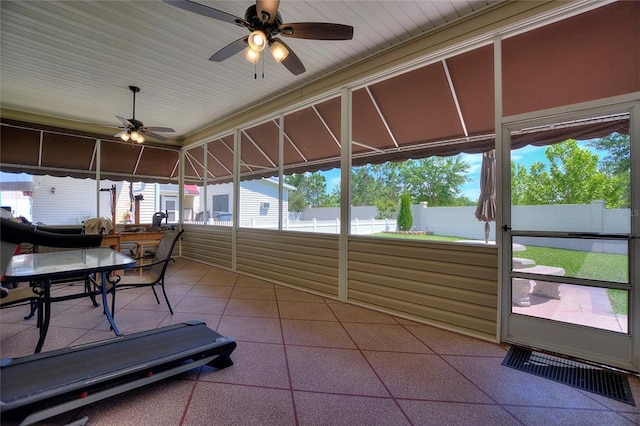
(76, 59)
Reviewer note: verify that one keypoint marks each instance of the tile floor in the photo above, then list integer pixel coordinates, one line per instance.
(307, 360)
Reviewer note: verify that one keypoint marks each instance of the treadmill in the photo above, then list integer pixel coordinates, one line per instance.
(39, 386)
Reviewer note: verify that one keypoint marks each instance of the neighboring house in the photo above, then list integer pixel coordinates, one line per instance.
(16, 191)
(68, 201)
(167, 200)
(258, 200)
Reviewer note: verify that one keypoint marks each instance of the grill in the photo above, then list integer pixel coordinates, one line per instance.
(581, 376)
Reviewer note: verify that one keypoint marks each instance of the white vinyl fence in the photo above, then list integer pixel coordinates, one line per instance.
(461, 222)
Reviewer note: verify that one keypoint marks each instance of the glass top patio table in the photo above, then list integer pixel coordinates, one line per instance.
(65, 264)
(44, 268)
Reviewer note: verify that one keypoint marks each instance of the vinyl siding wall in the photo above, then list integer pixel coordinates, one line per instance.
(73, 201)
(255, 192)
(449, 285)
(302, 260)
(208, 244)
(446, 284)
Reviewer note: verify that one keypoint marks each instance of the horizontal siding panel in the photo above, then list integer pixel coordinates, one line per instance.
(421, 288)
(469, 325)
(439, 303)
(468, 255)
(427, 277)
(329, 277)
(305, 257)
(284, 277)
(447, 266)
(208, 244)
(450, 285)
(303, 260)
(307, 240)
(293, 262)
(326, 278)
(293, 238)
(279, 247)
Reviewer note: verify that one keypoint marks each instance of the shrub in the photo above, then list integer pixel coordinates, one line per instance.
(405, 218)
(385, 209)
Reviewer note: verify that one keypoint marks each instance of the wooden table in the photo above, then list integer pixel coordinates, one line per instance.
(114, 240)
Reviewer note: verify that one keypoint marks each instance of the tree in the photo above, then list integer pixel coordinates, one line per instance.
(385, 209)
(365, 188)
(617, 161)
(405, 217)
(570, 177)
(436, 180)
(310, 190)
(618, 148)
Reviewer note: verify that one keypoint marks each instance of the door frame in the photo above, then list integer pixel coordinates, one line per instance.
(163, 205)
(614, 349)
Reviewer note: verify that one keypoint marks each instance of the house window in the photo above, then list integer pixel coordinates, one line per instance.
(220, 203)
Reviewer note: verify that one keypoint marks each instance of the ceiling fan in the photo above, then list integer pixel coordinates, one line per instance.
(136, 130)
(265, 23)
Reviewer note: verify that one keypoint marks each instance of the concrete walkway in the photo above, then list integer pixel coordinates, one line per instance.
(587, 306)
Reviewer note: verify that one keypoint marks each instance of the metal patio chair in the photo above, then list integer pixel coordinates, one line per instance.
(153, 274)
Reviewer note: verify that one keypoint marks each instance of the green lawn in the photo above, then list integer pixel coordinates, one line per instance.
(580, 264)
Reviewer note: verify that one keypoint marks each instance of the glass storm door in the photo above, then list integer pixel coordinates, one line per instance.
(570, 233)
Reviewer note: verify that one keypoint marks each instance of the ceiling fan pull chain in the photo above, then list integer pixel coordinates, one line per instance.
(134, 104)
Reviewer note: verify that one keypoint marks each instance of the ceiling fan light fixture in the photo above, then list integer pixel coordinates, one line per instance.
(125, 136)
(135, 135)
(251, 55)
(257, 40)
(140, 138)
(278, 51)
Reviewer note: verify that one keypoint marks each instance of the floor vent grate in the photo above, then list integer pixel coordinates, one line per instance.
(586, 377)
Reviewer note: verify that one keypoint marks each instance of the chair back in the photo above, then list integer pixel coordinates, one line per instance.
(164, 251)
(156, 220)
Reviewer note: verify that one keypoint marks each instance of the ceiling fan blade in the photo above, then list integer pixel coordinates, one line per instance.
(124, 121)
(155, 136)
(210, 12)
(160, 129)
(117, 135)
(317, 31)
(229, 50)
(292, 62)
(267, 10)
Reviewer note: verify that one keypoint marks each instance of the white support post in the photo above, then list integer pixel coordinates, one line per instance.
(345, 192)
(236, 198)
(280, 171)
